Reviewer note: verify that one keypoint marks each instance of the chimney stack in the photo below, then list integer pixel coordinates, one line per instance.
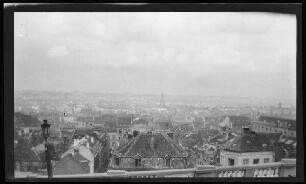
(75, 142)
(76, 150)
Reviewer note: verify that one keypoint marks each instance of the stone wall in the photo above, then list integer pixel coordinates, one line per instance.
(178, 163)
(156, 163)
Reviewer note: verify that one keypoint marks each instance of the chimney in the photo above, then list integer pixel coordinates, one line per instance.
(75, 142)
(76, 150)
(92, 140)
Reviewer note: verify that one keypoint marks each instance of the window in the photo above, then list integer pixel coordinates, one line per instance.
(167, 162)
(266, 160)
(137, 162)
(117, 161)
(245, 161)
(231, 161)
(256, 161)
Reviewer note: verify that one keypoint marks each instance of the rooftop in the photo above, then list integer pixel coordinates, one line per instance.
(248, 142)
(151, 145)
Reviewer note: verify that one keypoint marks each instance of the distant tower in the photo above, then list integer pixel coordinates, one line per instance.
(280, 105)
(162, 101)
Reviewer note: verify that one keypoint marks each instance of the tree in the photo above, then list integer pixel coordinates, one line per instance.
(104, 155)
(21, 150)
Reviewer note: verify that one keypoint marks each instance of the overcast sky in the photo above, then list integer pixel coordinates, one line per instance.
(219, 54)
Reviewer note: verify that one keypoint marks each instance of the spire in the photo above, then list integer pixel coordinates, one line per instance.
(162, 101)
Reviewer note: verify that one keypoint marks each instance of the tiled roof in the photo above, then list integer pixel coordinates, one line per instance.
(68, 133)
(87, 131)
(110, 126)
(78, 158)
(124, 121)
(218, 138)
(141, 121)
(82, 160)
(125, 146)
(161, 119)
(240, 120)
(206, 132)
(186, 127)
(96, 119)
(248, 142)
(142, 144)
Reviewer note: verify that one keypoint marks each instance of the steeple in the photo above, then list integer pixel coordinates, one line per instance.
(162, 101)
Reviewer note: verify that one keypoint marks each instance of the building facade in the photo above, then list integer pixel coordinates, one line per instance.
(266, 124)
(231, 158)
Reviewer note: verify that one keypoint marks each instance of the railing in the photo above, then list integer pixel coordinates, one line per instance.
(284, 168)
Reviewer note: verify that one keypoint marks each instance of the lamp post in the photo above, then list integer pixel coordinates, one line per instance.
(45, 128)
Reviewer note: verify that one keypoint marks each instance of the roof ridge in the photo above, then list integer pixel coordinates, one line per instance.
(171, 143)
(128, 144)
(132, 145)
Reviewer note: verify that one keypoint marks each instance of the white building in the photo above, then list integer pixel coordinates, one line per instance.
(247, 149)
(229, 158)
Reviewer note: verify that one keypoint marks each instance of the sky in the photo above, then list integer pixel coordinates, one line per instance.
(177, 53)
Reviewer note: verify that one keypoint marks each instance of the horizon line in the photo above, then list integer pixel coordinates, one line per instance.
(144, 94)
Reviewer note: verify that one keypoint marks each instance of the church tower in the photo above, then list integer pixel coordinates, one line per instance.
(162, 101)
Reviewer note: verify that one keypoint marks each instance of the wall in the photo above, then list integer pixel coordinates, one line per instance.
(266, 128)
(238, 157)
(178, 163)
(154, 163)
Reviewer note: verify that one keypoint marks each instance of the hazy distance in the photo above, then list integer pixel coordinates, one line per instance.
(207, 54)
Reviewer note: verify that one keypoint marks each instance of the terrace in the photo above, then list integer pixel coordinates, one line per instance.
(284, 168)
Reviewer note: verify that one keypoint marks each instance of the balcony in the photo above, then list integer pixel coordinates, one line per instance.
(284, 168)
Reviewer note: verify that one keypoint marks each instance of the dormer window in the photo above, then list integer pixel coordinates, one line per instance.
(137, 162)
(167, 162)
(117, 161)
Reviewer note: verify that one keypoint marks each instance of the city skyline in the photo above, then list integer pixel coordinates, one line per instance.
(149, 53)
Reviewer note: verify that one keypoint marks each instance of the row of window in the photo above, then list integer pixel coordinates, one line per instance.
(255, 161)
(137, 162)
(271, 130)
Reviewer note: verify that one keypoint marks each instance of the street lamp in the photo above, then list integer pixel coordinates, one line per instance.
(45, 128)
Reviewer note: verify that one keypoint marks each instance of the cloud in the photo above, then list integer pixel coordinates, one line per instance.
(183, 52)
(57, 51)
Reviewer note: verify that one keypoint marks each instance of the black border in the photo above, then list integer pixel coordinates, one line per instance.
(8, 74)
